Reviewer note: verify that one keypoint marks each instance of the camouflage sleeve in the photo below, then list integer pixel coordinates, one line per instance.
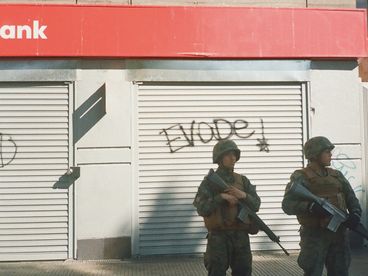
(252, 199)
(352, 201)
(291, 204)
(205, 200)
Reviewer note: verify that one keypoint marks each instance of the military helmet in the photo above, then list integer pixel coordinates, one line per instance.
(315, 146)
(222, 147)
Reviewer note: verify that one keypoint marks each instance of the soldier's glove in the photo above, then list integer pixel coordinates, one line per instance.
(318, 210)
(352, 221)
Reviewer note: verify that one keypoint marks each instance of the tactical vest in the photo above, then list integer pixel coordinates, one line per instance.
(328, 187)
(225, 216)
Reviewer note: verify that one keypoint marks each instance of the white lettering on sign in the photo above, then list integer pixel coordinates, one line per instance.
(23, 31)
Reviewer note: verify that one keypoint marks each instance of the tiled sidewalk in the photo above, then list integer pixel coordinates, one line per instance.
(265, 264)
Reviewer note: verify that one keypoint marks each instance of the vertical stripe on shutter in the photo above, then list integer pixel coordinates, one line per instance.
(175, 115)
(34, 121)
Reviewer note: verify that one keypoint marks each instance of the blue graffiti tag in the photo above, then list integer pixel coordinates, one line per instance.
(345, 165)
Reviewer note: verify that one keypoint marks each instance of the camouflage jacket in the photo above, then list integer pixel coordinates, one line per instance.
(206, 200)
(293, 205)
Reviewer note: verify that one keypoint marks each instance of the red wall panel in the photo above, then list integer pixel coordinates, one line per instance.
(182, 32)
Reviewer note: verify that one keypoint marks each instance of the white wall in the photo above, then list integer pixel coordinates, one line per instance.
(336, 112)
(103, 151)
(104, 129)
(104, 190)
(335, 97)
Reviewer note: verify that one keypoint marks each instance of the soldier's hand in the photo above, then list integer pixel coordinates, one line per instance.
(229, 198)
(239, 194)
(318, 210)
(352, 221)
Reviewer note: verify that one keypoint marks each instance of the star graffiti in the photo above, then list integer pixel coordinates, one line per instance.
(263, 142)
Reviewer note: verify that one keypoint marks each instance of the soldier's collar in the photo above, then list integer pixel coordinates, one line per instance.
(225, 171)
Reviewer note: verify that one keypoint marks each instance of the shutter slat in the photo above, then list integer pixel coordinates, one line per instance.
(33, 219)
(33, 243)
(40, 237)
(33, 256)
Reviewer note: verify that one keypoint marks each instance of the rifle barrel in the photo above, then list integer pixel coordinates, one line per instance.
(283, 249)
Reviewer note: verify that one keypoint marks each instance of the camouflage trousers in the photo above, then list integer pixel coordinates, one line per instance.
(321, 247)
(228, 249)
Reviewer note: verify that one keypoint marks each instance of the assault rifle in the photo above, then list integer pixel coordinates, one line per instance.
(338, 216)
(245, 212)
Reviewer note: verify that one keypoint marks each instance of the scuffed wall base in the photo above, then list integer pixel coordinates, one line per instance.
(97, 249)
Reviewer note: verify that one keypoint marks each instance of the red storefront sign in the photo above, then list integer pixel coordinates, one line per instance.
(180, 32)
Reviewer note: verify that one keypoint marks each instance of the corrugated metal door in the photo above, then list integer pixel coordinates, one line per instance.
(178, 126)
(34, 155)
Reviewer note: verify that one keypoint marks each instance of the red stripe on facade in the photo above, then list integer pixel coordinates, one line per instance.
(180, 32)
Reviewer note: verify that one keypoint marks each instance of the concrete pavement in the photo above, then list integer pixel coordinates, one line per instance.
(264, 264)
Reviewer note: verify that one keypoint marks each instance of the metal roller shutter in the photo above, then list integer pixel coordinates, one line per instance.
(34, 154)
(178, 126)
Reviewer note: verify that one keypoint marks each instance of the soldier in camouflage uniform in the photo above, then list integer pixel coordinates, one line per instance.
(228, 239)
(319, 246)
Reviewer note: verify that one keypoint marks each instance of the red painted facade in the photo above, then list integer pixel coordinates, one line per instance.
(181, 32)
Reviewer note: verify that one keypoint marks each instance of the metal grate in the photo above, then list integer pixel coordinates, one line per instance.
(34, 134)
(178, 126)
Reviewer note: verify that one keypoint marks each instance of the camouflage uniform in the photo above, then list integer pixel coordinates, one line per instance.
(320, 246)
(227, 240)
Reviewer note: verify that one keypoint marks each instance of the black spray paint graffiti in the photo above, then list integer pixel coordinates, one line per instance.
(220, 129)
(262, 143)
(8, 150)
